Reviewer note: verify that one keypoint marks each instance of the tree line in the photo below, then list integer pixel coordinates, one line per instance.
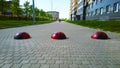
(13, 9)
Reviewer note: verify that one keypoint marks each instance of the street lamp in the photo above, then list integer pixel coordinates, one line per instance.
(33, 8)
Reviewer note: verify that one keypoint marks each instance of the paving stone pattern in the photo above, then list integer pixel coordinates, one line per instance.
(40, 51)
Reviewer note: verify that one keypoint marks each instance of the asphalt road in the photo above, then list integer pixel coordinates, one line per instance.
(40, 51)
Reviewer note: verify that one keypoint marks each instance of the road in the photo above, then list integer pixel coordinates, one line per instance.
(40, 51)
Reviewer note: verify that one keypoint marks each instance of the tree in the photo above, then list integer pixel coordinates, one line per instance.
(37, 12)
(42, 12)
(31, 10)
(28, 11)
(2, 5)
(49, 15)
(16, 7)
(27, 8)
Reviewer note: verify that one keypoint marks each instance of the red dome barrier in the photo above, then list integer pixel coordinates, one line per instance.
(99, 35)
(22, 35)
(58, 35)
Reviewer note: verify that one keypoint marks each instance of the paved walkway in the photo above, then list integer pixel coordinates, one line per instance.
(78, 51)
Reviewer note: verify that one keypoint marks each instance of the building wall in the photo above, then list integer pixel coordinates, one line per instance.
(80, 9)
(73, 9)
(103, 10)
(54, 14)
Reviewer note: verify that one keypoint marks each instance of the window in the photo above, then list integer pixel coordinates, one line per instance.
(101, 10)
(89, 7)
(101, 1)
(115, 7)
(92, 13)
(108, 9)
(96, 1)
(88, 14)
(96, 11)
(92, 5)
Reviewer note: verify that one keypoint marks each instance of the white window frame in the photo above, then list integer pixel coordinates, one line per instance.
(96, 1)
(101, 10)
(101, 1)
(116, 7)
(108, 9)
(96, 12)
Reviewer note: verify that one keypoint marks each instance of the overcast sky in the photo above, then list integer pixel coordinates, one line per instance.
(62, 6)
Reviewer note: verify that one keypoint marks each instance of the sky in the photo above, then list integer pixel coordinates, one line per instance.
(62, 6)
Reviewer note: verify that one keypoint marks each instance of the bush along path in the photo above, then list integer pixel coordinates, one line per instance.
(10, 24)
(113, 26)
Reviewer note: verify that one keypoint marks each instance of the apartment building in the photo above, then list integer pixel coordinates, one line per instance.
(96, 10)
(55, 15)
(73, 9)
(80, 9)
(103, 10)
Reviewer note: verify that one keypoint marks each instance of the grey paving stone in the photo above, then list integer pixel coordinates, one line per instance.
(40, 50)
(68, 62)
(1, 58)
(16, 61)
(50, 61)
(74, 66)
(42, 61)
(54, 66)
(26, 66)
(45, 66)
(35, 66)
(84, 66)
(8, 61)
(6, 66)
(16, 66)
(1, 61)
(77, 62)
(1, 65)
(33, 61)
(59, 62)
(64, 65)
(113, 66)
(25, 61)
(32, 58)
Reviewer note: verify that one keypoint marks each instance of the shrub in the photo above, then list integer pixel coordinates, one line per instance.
(113, 26)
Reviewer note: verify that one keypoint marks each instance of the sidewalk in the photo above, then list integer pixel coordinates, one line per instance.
(40, 51)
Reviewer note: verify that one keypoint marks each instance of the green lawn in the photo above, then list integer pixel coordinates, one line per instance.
(10, 24)
(113, 26)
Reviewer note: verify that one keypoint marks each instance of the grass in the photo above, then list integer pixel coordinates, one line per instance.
(113, 26)
(10, 24)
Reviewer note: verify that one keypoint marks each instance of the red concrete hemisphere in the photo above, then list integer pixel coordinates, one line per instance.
(99, 35)
(22, 35)
(58, 35)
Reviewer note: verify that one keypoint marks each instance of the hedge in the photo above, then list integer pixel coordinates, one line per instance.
(8, 17)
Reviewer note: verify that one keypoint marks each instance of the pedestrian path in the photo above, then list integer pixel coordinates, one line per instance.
(40, 51)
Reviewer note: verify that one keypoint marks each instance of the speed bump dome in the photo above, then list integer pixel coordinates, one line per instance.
(99, 35)
(58, 35)
(22, 35)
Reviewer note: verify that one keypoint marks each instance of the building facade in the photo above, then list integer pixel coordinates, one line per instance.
(73, 9)
(55, 15)
(103, 10)
(97, 10)
(80, 9)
